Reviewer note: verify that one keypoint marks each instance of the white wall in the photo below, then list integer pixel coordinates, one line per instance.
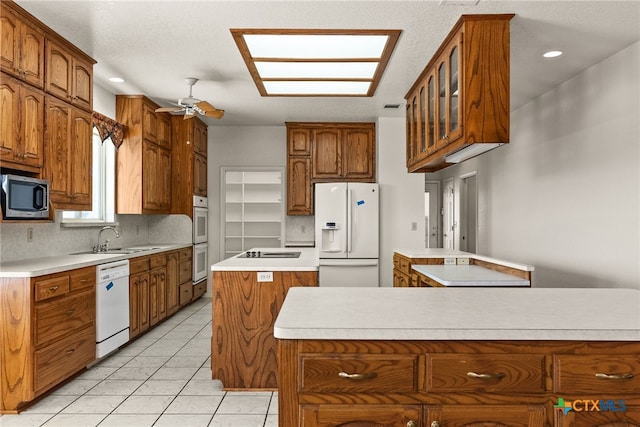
(401, 196)
(564, 194)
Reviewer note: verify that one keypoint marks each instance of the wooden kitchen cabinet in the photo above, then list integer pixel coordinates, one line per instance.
(454, 383)
(326, 152)
(22, 48)
(173, 261)
(189, 156)
(69, 73)
(244, 352)
(143, 163)
(157, 288)
(138, 296)
(21, 144)
(68, 153)
(462, 95)
(47, 333)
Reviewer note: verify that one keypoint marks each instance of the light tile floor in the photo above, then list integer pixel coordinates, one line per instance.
(163, 379)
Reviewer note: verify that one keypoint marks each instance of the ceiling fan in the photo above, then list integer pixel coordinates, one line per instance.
(191, 105)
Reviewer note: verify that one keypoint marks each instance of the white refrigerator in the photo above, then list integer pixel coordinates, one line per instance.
(346, 215)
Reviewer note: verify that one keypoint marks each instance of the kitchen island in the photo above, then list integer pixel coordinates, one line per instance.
(247, 296)
(451, 357)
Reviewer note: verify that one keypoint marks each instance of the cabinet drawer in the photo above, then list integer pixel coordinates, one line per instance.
(184, 271)
(138, 265)
(404, 265)
(156, 261)
(55, 363)
(52, 287)
(61, 317)
(199, 289)
(359, 373)
(486, 372)
(185, 254)
(186, 293)
(360, 415)
(82, 278)
(593, 373)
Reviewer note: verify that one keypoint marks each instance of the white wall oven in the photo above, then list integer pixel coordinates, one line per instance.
(200, 236)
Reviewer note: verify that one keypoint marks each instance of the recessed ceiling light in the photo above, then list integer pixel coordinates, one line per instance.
(552, 54)
(316, 62)
(116, 79)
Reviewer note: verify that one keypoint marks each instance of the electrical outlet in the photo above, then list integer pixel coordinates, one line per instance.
(265, 276)
(29, 234)
(414, 226)
(463, 261)
(449, 261)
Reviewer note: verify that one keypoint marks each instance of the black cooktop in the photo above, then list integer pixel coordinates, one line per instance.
(264, 254)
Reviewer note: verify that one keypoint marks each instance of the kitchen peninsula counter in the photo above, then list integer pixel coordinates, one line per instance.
(451, 356)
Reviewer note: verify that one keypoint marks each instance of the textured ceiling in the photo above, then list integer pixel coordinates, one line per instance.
(154, 45)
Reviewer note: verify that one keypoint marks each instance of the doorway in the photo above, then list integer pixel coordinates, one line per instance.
(468, 212)
(448, 215)
(432, 215)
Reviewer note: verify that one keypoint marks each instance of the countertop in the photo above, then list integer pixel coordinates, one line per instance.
(460, 314)
(54, 264)
(468, 275)
(308, 261)
(451, 253)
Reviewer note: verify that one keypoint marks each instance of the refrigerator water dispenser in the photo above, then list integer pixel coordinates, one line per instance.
(330, 237)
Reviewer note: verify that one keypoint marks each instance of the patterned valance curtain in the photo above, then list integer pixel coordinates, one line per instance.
(109, 128)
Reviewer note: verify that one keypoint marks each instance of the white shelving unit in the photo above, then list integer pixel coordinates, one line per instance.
(252, 209)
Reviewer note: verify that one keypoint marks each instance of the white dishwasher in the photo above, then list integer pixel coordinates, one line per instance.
(112, 307)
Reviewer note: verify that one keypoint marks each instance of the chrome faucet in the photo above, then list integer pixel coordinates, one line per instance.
(105, 246)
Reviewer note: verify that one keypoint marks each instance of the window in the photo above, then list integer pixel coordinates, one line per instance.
(103, 191)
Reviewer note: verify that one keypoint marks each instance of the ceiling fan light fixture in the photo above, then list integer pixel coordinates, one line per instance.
(552, 54)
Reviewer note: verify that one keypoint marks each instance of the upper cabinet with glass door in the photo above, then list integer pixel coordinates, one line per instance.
(462, 96)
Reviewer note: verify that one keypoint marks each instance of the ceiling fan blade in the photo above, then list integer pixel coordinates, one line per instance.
(168, 109)
(216, 114)
(205, 106)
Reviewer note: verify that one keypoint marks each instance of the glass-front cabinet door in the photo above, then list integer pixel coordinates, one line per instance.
(454, 116)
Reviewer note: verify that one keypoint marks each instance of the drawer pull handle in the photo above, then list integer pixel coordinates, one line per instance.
(498, 376)
(70, 352)
(54, 288)
(615, 376)
(70, 312)
(358, 377)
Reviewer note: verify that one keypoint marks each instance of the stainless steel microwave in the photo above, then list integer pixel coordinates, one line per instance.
(24, 197)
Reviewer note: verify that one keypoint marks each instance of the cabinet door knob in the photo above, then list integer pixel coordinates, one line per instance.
(436, 424)
(412, 423)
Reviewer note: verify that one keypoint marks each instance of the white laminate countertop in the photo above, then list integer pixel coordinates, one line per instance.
(460, 314)
(451, 253)
(308, 261)
(33, 267)
(468, 275)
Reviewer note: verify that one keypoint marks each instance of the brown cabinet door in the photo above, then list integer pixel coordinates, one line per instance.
(156, 186)
(164, 130)
(199, 175)
(358, 154)
(299, 142)
(31, 126)
(10, 36)
(81, 157)
(200, 138)
(59, 70)
(58, 125)
(361, 415)
(82, 84)
(493, 415)
(327, 153)
(172, 282)
(149, 122)
(164, 178)
(299, 194)
(134, 315)
(10, 119)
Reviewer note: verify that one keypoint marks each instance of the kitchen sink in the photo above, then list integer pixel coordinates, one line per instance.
(263, 254)
(116, 251)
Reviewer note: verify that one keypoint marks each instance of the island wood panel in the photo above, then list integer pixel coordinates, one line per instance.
(527, 398)
(243, 348)
(502, 269)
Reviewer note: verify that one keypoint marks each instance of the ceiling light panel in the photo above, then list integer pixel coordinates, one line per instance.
(316, 62)
(328, 70)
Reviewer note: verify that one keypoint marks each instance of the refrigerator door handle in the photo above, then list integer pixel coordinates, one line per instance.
(350, 218)
(329, 263)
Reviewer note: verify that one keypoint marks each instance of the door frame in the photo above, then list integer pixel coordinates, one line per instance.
(468, 230)
(434, 188)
